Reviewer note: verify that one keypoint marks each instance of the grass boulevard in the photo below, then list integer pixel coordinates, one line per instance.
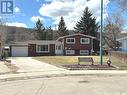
(71, 60)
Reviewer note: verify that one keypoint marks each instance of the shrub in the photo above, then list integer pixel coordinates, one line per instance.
(4, 55)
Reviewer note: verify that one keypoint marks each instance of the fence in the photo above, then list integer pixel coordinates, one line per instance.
(122, 56)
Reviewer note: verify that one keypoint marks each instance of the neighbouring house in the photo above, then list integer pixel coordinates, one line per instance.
(74, 44)
(123, 42)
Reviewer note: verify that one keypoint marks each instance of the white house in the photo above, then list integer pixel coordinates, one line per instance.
(123, 42)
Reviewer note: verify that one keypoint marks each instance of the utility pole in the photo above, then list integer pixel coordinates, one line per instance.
(101, 59)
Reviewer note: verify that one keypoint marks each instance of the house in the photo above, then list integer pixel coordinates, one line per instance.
(123, 42)
(34, 48)
(74, 44)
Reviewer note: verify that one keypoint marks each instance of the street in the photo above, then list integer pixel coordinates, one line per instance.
(68, 85)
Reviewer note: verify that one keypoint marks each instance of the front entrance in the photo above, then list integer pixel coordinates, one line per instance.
(32, 50)
(59, 50)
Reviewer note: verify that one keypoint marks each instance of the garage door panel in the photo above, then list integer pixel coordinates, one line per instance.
(20, 51)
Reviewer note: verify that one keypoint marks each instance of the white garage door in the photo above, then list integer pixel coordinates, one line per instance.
(19, 51)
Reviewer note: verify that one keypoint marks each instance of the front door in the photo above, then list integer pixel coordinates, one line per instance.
(59, 50)
(32, 50)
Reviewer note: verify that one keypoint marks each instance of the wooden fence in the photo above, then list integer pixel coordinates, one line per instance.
(122, 56)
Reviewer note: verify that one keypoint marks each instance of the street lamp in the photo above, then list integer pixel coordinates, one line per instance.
(101, 60)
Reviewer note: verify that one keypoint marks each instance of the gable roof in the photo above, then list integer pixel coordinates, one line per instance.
(77, 34)
(36, 42)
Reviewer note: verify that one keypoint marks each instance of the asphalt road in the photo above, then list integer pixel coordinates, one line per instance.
(68, 85)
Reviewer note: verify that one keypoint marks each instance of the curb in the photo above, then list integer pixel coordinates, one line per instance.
(26, 76)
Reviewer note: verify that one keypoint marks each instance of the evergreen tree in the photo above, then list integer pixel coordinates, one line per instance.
(38, 25)
(87, 25)
(62, 30)
(39, 33)
(49, 33)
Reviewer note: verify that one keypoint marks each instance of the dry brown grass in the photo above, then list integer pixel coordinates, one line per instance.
(64, 60)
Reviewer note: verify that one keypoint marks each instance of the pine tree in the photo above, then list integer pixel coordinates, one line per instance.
(49, 33)
(39, 33)
(38, 25)
(87, 25)
(62, 30)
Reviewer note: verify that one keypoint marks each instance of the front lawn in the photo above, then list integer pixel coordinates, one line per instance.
(65, 60)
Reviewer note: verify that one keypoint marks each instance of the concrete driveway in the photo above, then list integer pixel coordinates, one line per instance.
(27, 64)
(3, 68)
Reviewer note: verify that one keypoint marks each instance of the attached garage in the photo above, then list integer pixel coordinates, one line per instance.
(19, 50)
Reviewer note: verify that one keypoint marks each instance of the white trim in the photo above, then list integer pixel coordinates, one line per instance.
(86, 52)
(70, 42)
(41, 51)
(77, 34)
(69, 52)
(39, 42)
(86, 39)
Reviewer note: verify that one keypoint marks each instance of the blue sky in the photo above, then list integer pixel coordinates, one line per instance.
(49, 11)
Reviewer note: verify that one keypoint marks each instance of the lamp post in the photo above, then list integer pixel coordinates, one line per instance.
(101, 60)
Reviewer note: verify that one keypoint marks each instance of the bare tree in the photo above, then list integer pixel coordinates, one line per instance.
(112, 30)
(122, 4)
(2, 35)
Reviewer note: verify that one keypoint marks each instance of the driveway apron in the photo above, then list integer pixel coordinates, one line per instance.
(27, 64)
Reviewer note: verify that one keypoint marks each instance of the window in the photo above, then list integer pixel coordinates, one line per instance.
(86, 52)
(42, 48)
(84, 40)
(70, 52)
(70, 40)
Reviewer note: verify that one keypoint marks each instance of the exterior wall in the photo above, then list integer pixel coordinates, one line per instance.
(123, 42)
(124, 45)
(77, 46)
(32, 50)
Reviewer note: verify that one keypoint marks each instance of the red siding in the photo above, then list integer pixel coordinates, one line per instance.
(77, 46)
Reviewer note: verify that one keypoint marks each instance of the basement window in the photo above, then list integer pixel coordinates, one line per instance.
(69, 52)
(84, 52)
